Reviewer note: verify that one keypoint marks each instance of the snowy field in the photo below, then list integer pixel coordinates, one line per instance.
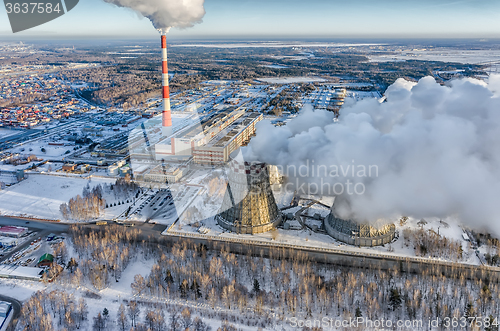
(444, 55)
(291, 80)
(41, 195)
(273, 44)
(35, 148)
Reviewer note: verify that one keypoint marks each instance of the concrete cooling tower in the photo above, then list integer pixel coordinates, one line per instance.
(358, 234)
(248, 205)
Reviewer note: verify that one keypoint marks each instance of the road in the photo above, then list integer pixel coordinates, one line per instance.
(40, 225)
(43, 228)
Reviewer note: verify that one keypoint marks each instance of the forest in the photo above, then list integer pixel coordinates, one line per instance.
(246, 289)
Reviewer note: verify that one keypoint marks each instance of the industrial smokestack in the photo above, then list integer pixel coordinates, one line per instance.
(166, 115)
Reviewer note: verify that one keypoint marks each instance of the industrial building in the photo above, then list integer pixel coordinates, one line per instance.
(211, 141)
(181, 144)
(20, 272)
(359, 234)
(13, 231)
(331, 100)
(248, 205)
(8, 242)
(92, 129)
(5, 310)
(160, 174)
(116, 146)
(220, 147)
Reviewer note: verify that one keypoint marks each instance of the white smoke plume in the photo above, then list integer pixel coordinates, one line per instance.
(166, 14)
(436, 149)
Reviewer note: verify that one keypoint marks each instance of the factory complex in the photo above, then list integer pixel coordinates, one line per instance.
(185, 155)
(212, 140)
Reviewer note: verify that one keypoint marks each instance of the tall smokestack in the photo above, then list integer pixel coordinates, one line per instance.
(166, 115)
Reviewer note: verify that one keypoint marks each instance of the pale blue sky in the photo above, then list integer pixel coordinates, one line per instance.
(286, 18)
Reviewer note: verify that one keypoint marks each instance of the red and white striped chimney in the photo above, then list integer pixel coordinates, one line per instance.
(166, 115)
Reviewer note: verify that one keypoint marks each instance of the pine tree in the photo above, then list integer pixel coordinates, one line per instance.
(196, 289)
(256, 286)
(395, 299)
(358, 312)
(183, 288)
(169, 279)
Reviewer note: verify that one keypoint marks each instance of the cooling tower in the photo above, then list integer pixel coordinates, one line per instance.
(248, 205)
(166, 115)
(359, 234)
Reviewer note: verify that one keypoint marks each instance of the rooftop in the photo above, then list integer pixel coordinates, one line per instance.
(13, 271)
(13, 229)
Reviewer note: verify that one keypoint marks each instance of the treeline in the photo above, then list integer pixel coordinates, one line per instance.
(85, 207)
(284, 101)
(120, 84)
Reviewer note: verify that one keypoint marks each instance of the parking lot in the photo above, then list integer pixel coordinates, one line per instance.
(30, 247)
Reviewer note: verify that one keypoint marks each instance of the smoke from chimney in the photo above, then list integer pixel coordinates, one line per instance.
(166, 14)
(436, 150)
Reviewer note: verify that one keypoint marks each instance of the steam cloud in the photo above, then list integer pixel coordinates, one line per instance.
(166, 14)
(437, 149)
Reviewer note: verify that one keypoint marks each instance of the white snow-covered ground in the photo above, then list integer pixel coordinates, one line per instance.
(291, 80)
(444, 55)
(20, 290)
(41, 195)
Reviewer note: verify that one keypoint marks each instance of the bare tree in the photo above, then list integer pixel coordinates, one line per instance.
(99, 323)
(122, 320)
(186, 320)
(138, 285)
(133, 310)
(174, 321)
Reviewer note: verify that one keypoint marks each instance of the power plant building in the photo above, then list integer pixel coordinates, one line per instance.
(248, 205)
(353, 233)
(212, 140)
(219, 148)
